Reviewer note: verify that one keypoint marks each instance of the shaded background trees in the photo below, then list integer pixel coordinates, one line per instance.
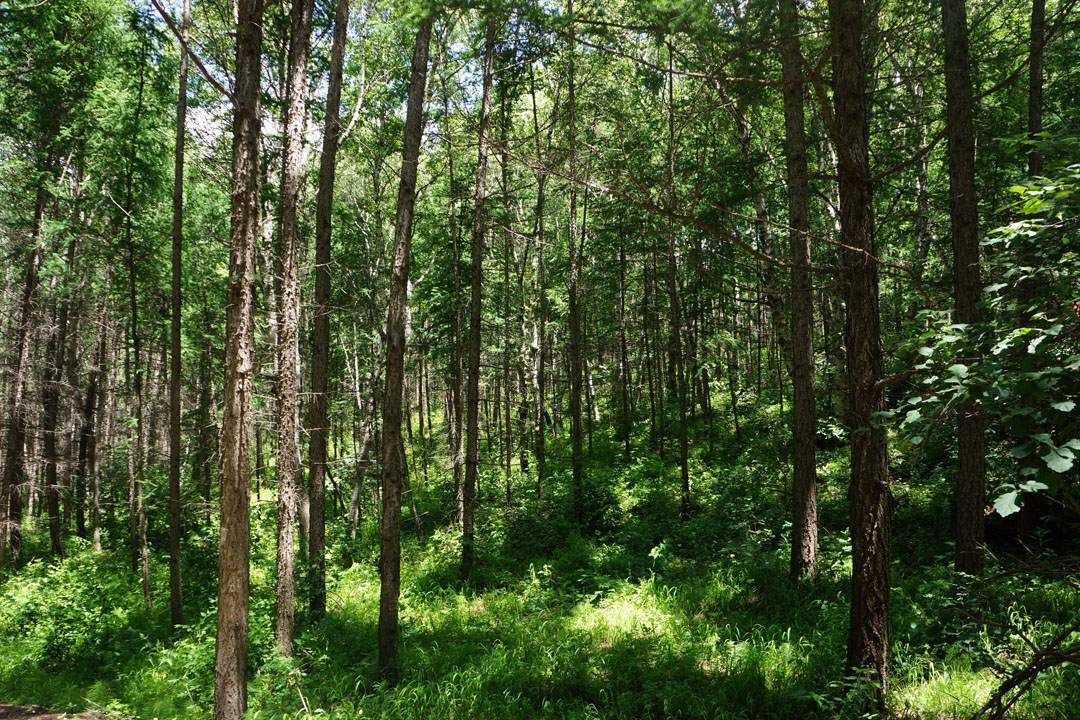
(660, 276)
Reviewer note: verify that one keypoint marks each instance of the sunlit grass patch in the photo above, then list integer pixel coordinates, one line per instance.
(941, 691)
(632, 609)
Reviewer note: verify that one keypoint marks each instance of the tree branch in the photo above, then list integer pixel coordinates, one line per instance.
(195, 58)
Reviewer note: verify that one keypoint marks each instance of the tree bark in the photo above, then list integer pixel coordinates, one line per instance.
(574, 298)
(472, 398)
(624, 365)
(55, 348)
(86, 465)
(392, 448)
(870, 495)
(137, 519)
(231, 650)
(14, 458)
(288, 379)
(454, 433)
(963, 213)
(1035, 82)
(539, 325)
(176, 598)
(676, 308)
(804, 528)
(320, 346)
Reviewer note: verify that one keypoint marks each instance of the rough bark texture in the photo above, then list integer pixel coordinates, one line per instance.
(472, 392)
(675, 302)
(392, 448)
(804, 528)
(574, 297)
(14, 459)
(86, 465)
(176, 599)
(231, 650)
(454, 433)
(320, 346)
(624, 365)
(50, 387)
(963, 213)
(539, 325)
(1035, 81)
(870, 495)
(288, 380)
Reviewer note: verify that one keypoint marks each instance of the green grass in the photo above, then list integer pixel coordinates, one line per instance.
(636, 615)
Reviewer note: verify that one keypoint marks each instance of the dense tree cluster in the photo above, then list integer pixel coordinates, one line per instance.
(617, 229)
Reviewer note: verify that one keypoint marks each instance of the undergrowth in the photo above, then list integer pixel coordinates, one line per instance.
(635, 614)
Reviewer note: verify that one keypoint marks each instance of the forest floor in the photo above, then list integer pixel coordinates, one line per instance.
(33, 712)
(635, 614)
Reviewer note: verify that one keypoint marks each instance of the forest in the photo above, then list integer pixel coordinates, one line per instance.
(539, 358)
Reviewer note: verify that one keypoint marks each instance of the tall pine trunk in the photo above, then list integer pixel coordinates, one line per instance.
(288, 380)
(804, 528)
(963, 213)
(574, 299)
(1035, 82)
(870, 495)
(472, 397)
(392, 447)
(231, 649)
(675, 302)
(538, 291)
(176, 598)
(320, 346)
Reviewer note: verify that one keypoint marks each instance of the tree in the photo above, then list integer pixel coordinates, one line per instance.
(176, 601)
(288, 380)
(320, 353)
(472, 391)
(804, 483)
(963, 213)
(574, 290)
(231, 649)
(392, 447)
(870, 494)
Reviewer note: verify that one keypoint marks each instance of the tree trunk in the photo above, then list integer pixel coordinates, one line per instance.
(963, 213)
(624, 366)
(1035, 82)
(508, 434)
(574, 298)
(14, 458)
(176, 599)
(231, 650)
(454, 433)
(137, 521)
(673, 292)
(804, 528)
(472, 399)
(539, 325)
(320, 346)
(392, 449)
(870, 495)
(54, 354)
(86, 465)
(288, 379)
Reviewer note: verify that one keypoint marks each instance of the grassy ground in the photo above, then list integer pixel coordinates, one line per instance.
(639, 615)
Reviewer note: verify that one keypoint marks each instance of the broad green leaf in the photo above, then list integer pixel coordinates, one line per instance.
(1006, 504)
(1057, 462)
(1022, 451)
(959, 370)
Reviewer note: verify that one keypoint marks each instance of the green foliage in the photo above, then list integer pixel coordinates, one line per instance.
(1020, 364)
(641, 616)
